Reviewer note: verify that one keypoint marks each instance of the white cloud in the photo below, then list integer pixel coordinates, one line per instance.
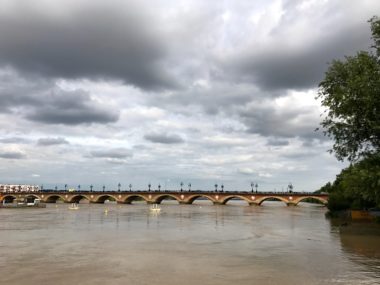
(205, 91)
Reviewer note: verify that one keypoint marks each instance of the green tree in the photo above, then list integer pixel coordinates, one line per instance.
(357, 186)
(350, 93)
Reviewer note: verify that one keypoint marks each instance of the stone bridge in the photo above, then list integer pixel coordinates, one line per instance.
(156, 197)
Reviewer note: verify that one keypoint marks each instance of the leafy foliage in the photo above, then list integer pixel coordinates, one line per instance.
(351, 94)
(356, 187)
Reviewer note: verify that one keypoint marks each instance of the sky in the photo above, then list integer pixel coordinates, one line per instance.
(204, 92)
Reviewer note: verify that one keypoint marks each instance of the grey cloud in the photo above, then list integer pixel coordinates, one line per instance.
(300, 154)
(116, 153)
(286, 64)
(11, 155)
(94, 40)
(76, 116)
(246, 171)
(43, 101)
(281, 123)
(164, 138)
(51, 141)
(15, 140)
(277, 142)
(16, 91)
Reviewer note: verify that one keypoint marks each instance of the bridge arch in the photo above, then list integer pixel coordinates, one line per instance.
(320, 199)
(191, 199)
(102, 198)
(8, 198)
(78, 198)
(134, 197)
(162, 197)
(238, 197)
(31, 197)
(54, 198)
(278, 198)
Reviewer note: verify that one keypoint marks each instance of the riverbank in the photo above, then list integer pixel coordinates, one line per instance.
(356, 215)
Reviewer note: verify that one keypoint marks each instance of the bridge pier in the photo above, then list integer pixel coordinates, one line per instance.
(291, 204)
(254, 204)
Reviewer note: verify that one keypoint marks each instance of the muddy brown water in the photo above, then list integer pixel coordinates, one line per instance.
(185, 244)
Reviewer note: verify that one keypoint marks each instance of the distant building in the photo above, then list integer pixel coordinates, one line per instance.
(14, 188)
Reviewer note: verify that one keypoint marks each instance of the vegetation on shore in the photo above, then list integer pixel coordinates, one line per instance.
(350, 93)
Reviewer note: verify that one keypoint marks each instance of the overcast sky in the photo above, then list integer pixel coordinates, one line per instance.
(102, 92)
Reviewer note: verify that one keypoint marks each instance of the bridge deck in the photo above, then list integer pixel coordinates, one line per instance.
(183, 197)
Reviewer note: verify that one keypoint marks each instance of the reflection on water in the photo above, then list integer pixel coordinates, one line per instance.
(185, 244)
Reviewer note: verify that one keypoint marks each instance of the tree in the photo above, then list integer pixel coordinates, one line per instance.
(356, 187)
(350, 93)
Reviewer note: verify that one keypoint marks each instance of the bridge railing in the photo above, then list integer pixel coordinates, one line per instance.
(166, 191)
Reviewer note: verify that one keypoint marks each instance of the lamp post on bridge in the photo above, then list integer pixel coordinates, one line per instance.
(91, 187)
(252, 184)
(256, 186)
(104, 188)
(79, 187)
(65, 187)
(56, 187)
(290, 187)
(149, 185)
(222, 186)
(130, 187)
(181, 186)
(189, 187)
(118, 187)
(216, 187)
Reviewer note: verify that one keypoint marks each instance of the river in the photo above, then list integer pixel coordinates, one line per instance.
(185, 244)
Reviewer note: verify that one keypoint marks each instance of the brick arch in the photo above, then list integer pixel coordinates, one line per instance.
(320, 199)
(32, 196)
(7, 196)
(261, 200)
(192, 198)
(102, 198)
(77, 198)
(162, 197)
(53, 198)
(130, 198)
(228, 198)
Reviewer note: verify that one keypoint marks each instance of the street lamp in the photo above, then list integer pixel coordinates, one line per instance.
(65, 187)
(181, 186)
(256, 186)
(91, 187)
(252, 184)
(78, 187)
(189, 187)
(149, 185)
(222, 186)
(130, 187)
(216, 187)
(159, 187)
(104, 188)
(42, 187)
(118, 187)
(56, 187)
(290, 187)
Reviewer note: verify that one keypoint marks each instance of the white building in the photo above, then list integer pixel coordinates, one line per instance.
(14, 188)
